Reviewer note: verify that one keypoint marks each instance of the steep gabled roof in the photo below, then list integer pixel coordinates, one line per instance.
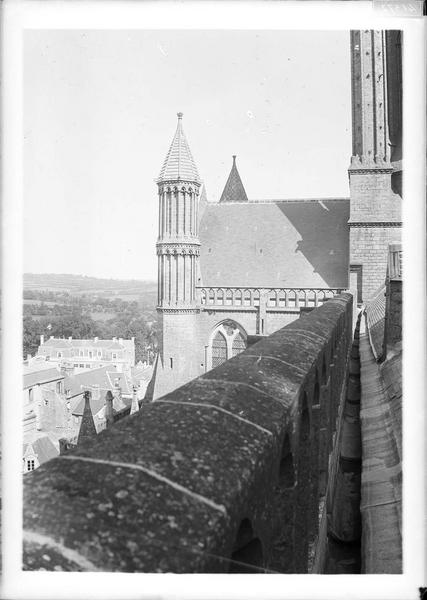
(41, 445)
(179, 163)
(39, 377)
(300, 243)
(234, 190)
(104, 377)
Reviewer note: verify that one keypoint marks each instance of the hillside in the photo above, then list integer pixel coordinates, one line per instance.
(81, 284)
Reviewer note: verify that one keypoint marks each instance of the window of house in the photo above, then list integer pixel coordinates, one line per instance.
(46, 402)
(30, 395)
(114, 355)
(81, 353)
(90, 354)
(87, 366)
(59, 387)
(31, 464)
(99, 353)
(75, 365)
(81, 366)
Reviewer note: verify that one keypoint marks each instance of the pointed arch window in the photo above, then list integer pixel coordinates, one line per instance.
(219, 350)
(238, 344)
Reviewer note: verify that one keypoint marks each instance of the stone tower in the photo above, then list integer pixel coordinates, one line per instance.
(178, 250)
(376, 166)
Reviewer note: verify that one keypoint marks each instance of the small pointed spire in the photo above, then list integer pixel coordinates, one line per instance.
(87, 428)
(109, 414)
(179, 162)
(234, 190)
(135, 406)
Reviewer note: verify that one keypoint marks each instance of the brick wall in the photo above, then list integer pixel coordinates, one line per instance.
(369, 248)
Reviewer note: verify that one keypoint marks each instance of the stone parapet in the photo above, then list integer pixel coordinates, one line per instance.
(221, 475)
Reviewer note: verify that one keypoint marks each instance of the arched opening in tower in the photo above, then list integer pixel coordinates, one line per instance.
(247, 551)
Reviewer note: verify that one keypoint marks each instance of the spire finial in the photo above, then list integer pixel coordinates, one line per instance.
(234, 159)
(179, 115)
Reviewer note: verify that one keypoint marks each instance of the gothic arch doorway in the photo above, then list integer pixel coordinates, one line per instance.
(227, 339)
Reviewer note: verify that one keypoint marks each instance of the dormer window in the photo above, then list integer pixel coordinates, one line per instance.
(59, 354)
(31, 464)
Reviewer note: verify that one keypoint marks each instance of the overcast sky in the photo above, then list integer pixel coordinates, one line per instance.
(100, 113)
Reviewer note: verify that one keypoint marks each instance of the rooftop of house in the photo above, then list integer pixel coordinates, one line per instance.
(104, 378)
(97, 404)
(311, 236)
(142, 372)
(113, 344)
(41, 443)
(37, 377)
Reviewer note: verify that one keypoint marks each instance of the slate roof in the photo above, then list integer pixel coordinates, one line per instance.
(179, 162)
(42, 445)
(98, 403)
(234, 190)
(107, 344)
(39, 377)
(277, 243)
(142, 372)
(104, 377)
(375, 321)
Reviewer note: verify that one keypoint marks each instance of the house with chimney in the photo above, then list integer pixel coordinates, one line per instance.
(88, 354)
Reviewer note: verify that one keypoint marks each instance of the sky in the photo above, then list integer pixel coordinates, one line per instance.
(100, 113)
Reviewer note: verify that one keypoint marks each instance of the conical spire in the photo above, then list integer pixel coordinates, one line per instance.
(87, 428)
(179, 163)
(234, 190)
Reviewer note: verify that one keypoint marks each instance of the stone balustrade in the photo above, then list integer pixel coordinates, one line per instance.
(228, 473)
(275, 298)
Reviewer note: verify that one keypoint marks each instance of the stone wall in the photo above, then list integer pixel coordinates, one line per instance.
(226, 474)
(369, 247)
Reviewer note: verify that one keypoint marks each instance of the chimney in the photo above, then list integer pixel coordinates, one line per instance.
(132, 339)
(120, 340)
(67, 368)
(109, 415)
(52, 337)
(135, 406)
(95, 339)
(41, 340)
(96, 392)
(114, 339)
(70, 338)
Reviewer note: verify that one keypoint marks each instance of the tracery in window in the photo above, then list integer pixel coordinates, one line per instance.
(238, 344)
(219, 349)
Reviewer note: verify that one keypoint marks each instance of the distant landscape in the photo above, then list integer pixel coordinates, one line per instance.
(83, 307)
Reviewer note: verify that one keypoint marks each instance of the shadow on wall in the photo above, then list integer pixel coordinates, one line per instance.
(325, 239)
